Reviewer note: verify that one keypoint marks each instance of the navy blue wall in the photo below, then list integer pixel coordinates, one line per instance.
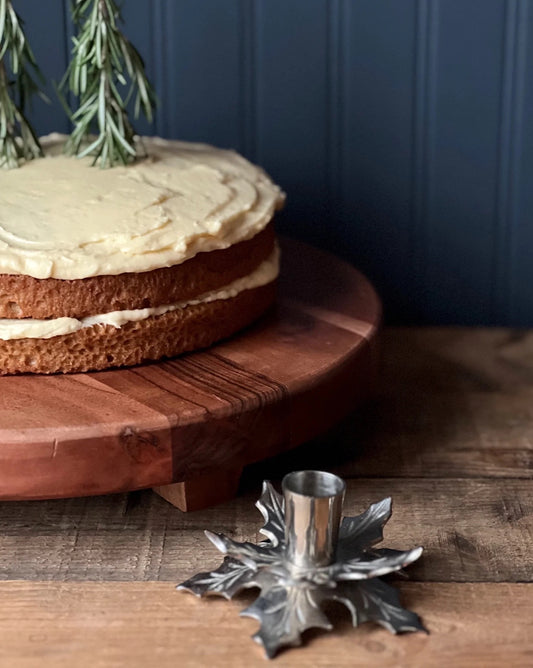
(402, 130)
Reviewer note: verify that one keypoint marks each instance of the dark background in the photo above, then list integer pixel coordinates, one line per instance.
(402, 130)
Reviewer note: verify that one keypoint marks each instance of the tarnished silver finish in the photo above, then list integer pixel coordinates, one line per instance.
(313, 508)
(294, 584)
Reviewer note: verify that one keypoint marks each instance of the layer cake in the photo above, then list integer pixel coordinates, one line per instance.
(105, 268)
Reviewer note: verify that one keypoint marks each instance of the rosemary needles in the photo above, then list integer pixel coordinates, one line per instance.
(104, 63)
(18, 75)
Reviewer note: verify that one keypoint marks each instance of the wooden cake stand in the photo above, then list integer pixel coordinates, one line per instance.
(188, 426)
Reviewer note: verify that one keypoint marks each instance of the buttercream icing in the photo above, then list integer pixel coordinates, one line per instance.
(60, 218)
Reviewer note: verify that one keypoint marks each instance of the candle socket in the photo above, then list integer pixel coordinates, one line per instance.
(313, 509)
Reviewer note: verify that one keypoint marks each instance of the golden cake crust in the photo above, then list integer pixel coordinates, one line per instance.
(156, 337)
(27, 297)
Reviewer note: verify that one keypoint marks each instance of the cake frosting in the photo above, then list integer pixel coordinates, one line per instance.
(29, 328)
(60, 219)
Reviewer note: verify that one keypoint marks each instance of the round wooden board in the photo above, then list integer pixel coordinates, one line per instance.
(277, 384)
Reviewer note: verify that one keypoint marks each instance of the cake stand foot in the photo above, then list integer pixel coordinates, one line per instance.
(203, 492)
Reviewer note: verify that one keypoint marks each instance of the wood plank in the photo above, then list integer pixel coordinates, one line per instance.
(451, 402)
(472, 530)
(133, 624)
(466, 359)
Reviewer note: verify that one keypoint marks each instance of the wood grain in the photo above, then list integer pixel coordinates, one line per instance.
(282, 381)
(135, 624)
(449, 437)
(202, 492)
(471, 530)
(450, 402)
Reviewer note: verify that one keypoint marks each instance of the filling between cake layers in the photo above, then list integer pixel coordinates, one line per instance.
(29, 328)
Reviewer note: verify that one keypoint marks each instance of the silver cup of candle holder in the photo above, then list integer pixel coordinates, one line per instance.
(313, 508)
(310, 556)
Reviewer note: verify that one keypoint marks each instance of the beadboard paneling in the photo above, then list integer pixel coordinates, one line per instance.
(201, 89)
(376, 143)
(290, 110)
(50, 47)
(400, 129)
(465, 82)
(141, 21)
(519, 219)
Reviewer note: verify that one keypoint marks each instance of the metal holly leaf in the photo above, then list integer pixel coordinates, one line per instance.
(291, 598)
(272, 507)
(284, 612)
(374, 601)
(362, 531)
(228, 579)
(252, 555)
(373, 565)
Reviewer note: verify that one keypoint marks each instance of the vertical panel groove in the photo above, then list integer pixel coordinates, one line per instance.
(333, 133)
(424, 100)
(504, 200)
(248, 32)
(516, 141)
(67, 27)
(159, 55)
(68, 32)
(151, 67)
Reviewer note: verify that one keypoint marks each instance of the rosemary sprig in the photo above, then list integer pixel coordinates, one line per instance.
(18, 71)
(102, 61)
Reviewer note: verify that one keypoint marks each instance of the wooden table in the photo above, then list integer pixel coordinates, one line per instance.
(89, 582)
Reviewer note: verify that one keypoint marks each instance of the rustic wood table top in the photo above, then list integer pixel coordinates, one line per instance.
(89, 582)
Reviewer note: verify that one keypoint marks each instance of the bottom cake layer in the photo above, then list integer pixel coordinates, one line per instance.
(104, 346)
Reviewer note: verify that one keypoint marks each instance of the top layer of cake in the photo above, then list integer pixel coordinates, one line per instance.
(61, 219)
